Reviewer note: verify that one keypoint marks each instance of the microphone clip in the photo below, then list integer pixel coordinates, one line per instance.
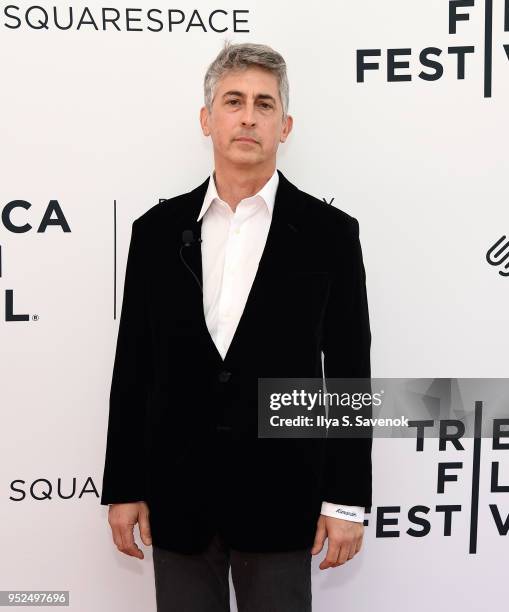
(188, 240)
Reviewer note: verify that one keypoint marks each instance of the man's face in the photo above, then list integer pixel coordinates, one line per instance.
(246, 104)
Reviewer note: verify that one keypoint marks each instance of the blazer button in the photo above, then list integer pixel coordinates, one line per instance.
(224, 376)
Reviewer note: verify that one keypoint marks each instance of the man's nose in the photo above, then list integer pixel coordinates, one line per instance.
(248, 117)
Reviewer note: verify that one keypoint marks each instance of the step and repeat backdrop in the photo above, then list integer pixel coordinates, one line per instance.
(400, 119)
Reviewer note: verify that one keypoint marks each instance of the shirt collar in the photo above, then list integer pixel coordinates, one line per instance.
(267, 193)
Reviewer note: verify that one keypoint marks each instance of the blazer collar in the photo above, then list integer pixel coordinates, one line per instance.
(288, 203)
(280, 256)
(267, 193)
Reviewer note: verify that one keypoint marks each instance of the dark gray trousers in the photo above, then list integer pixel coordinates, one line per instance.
(263, 582)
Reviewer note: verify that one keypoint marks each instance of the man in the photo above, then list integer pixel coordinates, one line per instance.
(243, 277)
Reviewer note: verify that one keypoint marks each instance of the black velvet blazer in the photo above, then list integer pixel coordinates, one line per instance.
(182, 428)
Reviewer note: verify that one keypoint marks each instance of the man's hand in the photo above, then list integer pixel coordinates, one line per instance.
(345, 540)
(122, 519)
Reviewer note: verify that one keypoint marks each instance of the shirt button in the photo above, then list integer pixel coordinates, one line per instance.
(224, 428)
(224, 376)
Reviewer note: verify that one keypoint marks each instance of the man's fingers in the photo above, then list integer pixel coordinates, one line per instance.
(124, 540)
(122, 518)
(358, 545)
(144, 524)
(129, 546)
(320, 536)
(115, 534)
(331, 557)
(344, 541)
(347, 553)
(344, 553)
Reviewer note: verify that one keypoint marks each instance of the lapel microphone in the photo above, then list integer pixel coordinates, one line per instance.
(188, 240)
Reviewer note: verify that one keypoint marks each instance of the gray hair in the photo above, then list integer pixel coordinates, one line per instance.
(241, 56)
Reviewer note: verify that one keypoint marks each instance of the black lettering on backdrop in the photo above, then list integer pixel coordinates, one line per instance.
(131, 19)
(458, 12)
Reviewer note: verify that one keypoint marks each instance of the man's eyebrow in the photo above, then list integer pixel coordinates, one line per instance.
(260, 96)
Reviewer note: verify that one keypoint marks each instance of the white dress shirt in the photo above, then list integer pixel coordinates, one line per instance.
(232, 244)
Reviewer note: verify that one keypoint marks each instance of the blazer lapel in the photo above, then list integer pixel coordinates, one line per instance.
(280, 255)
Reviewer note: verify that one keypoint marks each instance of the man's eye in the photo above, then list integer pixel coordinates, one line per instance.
(264, 104)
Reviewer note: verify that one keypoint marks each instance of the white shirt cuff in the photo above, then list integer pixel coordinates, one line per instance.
(349, 513)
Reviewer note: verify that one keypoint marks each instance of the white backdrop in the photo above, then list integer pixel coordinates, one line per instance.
(89, 117)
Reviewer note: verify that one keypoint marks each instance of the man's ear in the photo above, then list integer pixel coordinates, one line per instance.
(204, 120)
(287, 128)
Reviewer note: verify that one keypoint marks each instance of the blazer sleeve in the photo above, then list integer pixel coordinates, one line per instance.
(124, 467)
(347, 477)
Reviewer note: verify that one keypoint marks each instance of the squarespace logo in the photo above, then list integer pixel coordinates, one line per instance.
(48, 219)
(458, 11)
(497, 256)
(43, 489)
(102, 19)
